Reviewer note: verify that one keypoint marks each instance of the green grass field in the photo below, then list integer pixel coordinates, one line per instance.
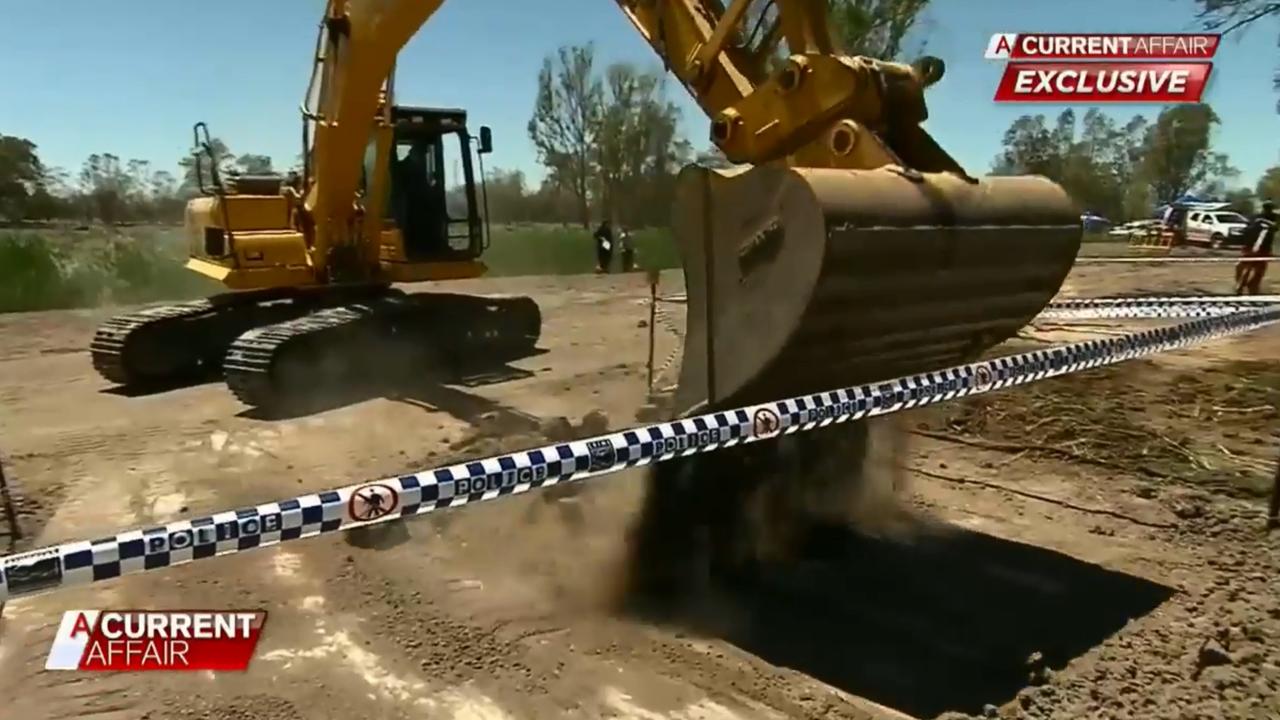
(555, 250)
(51, 269)
(55, 269)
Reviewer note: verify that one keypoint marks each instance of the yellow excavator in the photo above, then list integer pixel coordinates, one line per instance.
(851, 248)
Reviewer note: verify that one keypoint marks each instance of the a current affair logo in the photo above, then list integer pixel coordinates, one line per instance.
(133, 640)
(1103, 68)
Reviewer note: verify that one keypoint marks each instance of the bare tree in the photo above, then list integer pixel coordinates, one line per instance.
(875, 28)
(1227, 16)
(1179, 157)
(565, 120)
(106, 187)
(187, 165)
(637, 145)
(251, 164)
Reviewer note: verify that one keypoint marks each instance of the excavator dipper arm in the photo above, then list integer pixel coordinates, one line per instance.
(790, 93)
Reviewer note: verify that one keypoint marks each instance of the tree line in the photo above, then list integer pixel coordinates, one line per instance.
(609, 144)
(106, 189)
(1230, 16)
(606, 139)
(1122, 171)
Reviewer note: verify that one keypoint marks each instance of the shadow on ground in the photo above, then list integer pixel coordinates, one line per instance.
(946, 622)
(161, 388)
(428, 387)
(473, 409)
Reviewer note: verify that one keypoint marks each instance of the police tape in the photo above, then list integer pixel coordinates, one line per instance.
(1177, 259)
(1136, 307)
(397, 498)
(1170, 306)
(667, 322)
(1162, 300)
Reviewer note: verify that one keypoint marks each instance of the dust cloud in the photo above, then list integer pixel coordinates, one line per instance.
(709, 522)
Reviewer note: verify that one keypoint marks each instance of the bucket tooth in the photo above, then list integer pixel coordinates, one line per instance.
(804, 280)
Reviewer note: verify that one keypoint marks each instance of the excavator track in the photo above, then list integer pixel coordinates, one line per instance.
(164, 345)
(382, 341)
(252, 359)
(135, 347)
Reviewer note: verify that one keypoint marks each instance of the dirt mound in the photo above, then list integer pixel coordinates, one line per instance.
(1200, 427)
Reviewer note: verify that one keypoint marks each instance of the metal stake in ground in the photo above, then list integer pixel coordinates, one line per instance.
(654, 276)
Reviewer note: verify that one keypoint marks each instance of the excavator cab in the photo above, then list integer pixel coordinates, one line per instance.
(433, 200)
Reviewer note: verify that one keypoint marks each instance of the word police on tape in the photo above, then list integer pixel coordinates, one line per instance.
(209, 534)
(391, 499)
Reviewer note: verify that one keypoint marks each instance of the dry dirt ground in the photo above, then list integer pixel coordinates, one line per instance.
(1086, 547)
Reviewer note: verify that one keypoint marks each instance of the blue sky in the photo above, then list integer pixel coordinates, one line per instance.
(131, 76)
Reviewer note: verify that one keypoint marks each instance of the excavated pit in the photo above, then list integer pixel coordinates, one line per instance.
(808, 555)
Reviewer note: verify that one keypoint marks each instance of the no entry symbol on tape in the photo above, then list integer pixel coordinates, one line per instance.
(372, 502)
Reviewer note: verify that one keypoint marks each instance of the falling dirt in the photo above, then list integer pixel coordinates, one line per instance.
(710, 521)
(1091, 546)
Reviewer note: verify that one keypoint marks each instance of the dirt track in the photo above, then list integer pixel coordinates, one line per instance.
(1112, 565)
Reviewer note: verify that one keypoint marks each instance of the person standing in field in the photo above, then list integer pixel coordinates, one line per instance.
(1172, 221)
(1259, 238)
(604, 247)
(628, 250)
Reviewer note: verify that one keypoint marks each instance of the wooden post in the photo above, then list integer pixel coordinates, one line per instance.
(654, 275)
(10, 512)
(1273, 513)
(711, 290)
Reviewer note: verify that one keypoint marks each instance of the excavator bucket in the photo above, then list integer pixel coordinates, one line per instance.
(805, 280)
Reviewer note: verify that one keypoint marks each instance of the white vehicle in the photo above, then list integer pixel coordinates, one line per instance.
(1131, 229)
(1215, 228)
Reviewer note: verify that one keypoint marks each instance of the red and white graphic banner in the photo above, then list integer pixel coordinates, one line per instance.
(1101, 46)
(1103, 68)
(133, 640)
(1103, 82)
